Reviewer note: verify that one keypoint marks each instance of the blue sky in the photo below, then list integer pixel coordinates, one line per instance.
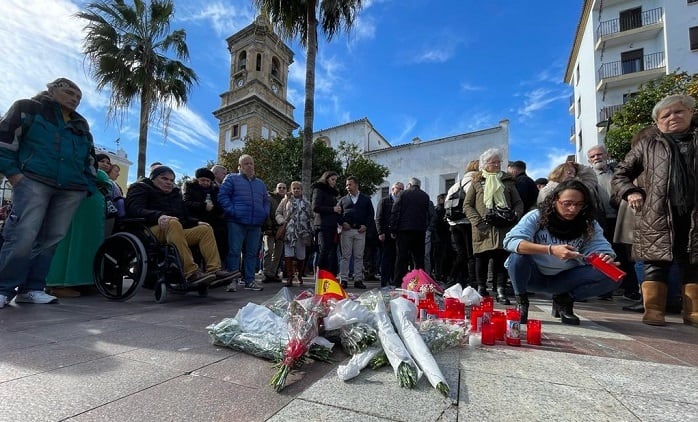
(415, 68)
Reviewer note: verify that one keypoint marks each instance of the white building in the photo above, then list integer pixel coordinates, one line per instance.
(437, 163)
(618, 46)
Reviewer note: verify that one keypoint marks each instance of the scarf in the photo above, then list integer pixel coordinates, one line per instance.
(681, 184)
(565, 229)
(494, 190)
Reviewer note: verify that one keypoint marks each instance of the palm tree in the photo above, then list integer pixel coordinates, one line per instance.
(126, 46)
(293, 18)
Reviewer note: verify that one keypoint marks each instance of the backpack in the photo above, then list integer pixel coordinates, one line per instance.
(454, 202)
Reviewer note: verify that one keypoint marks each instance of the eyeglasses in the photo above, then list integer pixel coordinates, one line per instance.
(281, 187)
(571, 204)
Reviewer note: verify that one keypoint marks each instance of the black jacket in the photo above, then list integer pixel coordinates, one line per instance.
(323, 202)
(195, 201)
(411, 211)
(145, 200)
(385, 206)
(528, 191)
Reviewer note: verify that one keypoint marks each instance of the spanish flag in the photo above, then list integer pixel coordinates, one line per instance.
(327, 286)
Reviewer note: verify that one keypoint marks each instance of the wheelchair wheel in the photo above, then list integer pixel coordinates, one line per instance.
(161, 293)
(120, 266)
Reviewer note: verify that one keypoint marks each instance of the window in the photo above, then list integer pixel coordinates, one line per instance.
(385, 191)
(242, 61)
(629, 96)
(631, 61)
(577, 73)
(630, 19)
(243, 131)
(275, 67)
(235, 131)
(579, 140)
(693, 36)
(258, 66)
(265, 132)
(692, 1)
(449, 182)
(579, 106)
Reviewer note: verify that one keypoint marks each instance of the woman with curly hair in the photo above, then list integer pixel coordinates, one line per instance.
(548, 247)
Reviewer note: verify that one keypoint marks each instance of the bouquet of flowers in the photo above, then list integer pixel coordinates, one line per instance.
(404, 313)
(303, 316)
(440, 335)
(355, 338)
(405, 368)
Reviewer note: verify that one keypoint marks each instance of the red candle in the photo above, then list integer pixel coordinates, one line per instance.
(610, 270)
(500, 324)
(513, 333)
(533, 330)
(488, 333)
(475, 318)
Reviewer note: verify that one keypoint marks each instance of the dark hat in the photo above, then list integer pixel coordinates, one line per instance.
(157, 171)
(63, 83)
(100, 157)
(204, 172)
(541, 181)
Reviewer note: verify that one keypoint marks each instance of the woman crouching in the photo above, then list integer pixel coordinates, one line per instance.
(548, 247)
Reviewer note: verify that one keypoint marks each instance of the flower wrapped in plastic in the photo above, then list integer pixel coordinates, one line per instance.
(419, 281)
(440, 335)
(404, 367)
(259, 331)
(355, 338)
(280, 301)
(404, 314)
(302, 319)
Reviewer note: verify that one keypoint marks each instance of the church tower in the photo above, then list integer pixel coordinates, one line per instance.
(255, 104)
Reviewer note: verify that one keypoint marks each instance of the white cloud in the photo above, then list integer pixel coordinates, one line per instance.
(539, 99)
(225, 18)
(465, 86)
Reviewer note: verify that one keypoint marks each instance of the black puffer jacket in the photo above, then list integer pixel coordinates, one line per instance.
(324, 200)
(145, 200)
(649, 164)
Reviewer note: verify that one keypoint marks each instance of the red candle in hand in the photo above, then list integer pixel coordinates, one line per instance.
(609, 269)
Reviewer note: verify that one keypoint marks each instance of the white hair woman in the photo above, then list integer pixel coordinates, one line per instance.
(658, 179)
(491, 189)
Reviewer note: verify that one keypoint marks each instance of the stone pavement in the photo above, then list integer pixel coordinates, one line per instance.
(89, 359)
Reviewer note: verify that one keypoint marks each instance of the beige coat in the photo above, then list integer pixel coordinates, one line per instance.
(486, 237)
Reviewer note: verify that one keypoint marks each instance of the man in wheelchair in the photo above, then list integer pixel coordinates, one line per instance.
(158, 201)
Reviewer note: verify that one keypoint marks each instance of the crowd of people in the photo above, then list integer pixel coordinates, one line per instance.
(495, 230)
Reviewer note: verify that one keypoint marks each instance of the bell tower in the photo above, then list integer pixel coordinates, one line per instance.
(255, 104)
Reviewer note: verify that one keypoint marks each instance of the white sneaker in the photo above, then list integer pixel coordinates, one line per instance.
(3, 301)
(35, 296)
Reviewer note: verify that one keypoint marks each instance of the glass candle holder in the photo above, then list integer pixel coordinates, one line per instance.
(499, 320)
(487, 333)
(533, 331)
(513, 332)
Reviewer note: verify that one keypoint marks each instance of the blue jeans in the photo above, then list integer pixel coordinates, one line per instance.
(580, 282)
(239, 234)
(40, 218)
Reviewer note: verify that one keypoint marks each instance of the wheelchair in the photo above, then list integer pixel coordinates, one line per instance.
(133, 257)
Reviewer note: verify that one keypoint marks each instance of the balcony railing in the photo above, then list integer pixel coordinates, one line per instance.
(572, 131)
(607, 112)
(623, 67)
(613, 26)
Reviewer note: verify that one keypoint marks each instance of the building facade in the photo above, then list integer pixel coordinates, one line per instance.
(618, 46)
(437, 163)
(255, 104)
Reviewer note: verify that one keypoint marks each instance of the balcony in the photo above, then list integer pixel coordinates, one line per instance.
(573, 134)
(643, 26)
(607, 112)
(571, 108)
(631, 72)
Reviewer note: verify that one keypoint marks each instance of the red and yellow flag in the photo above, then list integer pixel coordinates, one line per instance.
(327, 286)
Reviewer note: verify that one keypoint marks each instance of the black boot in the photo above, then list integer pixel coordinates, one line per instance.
(522, 306)
(502, 296)
(482, 290)
(564, 304)
(635, 307)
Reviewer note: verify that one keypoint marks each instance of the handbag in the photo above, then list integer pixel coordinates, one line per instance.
(280, 232)
(501, 217)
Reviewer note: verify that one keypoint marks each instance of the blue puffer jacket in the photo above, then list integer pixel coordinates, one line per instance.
(244, 201)
(37, 142)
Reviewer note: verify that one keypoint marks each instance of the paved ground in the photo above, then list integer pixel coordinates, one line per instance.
(88, 359)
